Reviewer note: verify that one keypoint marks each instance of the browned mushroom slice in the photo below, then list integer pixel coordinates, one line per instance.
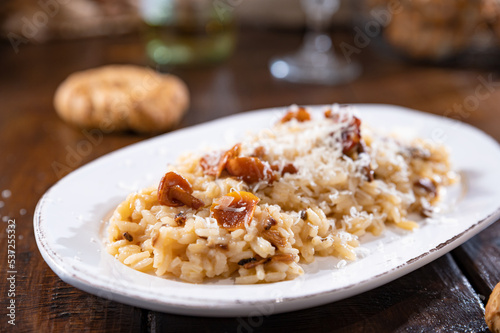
(179, 195)
(274, 237)
(283, 257)
(214, 163)
(287, 168)
(235, 209)
(301, 115)
(245, 261)
(174, 191)
(351, 137)
(425, 186)
(250, 169)
(368, 173)
(254, 262)
(259, 152)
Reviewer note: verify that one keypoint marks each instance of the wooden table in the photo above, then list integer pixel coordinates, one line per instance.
(446, 295)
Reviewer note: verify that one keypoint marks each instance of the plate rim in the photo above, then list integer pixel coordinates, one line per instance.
(195, 306)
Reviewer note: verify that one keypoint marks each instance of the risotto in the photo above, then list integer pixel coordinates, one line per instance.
(308, 186)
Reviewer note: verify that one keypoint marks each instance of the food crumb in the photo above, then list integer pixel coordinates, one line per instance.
(362, 252)
(6, 194)
(341, 264)
(128, 236)
(22, 211)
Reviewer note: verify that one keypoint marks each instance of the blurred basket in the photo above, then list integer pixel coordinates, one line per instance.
(437, 30)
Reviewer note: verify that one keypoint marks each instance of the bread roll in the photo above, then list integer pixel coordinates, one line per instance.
(492, 313)
(122, 97)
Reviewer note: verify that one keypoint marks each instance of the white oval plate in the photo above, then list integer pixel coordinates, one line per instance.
(69, 218)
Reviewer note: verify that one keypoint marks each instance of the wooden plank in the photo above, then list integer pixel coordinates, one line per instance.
(59, 307)
(479, 258)
(31, 139)
(434, 298)
(43, 302)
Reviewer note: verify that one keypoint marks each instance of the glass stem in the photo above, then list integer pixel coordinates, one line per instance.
(317, 42)
(318, 13)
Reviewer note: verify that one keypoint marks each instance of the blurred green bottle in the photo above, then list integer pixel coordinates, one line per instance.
(188, 32)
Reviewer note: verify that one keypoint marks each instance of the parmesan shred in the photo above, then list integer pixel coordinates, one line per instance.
(311, 185)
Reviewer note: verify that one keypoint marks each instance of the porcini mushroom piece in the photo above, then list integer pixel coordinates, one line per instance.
(234, 209)
(175, 191)
(250, 169)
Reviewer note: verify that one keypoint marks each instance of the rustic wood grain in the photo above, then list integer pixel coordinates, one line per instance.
(480, 259)
(435, 298)
(438, 297)
(32, 138)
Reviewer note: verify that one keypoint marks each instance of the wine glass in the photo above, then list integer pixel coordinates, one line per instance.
(316, 61)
